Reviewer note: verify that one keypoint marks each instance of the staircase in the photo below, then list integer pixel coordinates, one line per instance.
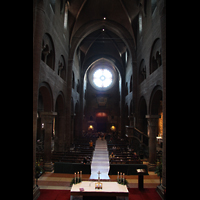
(100, 161)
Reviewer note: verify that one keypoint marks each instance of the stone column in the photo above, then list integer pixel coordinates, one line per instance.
(162, 11)
(60, 131)
(131, 118)
(122, 111)
(72, 129)
(47, 118)
(38, 29)
(152, 130)
(68, 105)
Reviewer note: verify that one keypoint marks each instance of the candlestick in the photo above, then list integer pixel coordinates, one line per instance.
(81, 175)
(117, 176)
(75, 177)
(78, 176)
(120, 176)
(123, 178)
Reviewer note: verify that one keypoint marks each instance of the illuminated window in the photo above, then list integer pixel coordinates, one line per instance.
(102, 78)
(140, 23)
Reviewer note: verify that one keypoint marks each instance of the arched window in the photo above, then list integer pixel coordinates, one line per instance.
(78, 86)
(131, 84)
(153, 5)
(142, 71)
(126, 89)
(73, 80)
(140, 23)
(53, 3)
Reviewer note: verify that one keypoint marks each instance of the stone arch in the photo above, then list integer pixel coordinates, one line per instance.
(62, 68)
(156, 97)
(48, 51)
(155, 56)
(90, 27)
(60, 102)
(47, 97)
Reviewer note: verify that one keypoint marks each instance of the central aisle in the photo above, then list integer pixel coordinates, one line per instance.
(100, 160)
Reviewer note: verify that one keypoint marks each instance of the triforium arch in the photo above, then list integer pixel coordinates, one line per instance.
(48, 51)
(155, 56)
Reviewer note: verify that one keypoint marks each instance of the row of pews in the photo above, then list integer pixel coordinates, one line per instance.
(77, 153)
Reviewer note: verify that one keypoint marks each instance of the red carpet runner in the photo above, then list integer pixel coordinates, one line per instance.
(134, 194)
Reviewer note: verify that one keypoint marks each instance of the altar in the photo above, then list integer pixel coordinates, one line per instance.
(110, 190)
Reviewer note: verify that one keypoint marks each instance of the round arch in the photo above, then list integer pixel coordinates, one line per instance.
(59, 106)
(156, 97)
(155, 55)
(47, 97)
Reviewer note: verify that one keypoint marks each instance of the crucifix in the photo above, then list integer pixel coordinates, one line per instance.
(98, 185)
(99, 176)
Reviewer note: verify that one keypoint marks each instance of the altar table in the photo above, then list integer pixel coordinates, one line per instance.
(110, 190)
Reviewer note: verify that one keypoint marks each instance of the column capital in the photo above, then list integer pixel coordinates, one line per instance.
(152, 116)
(152, 119)
(48, 113)
(47, 116)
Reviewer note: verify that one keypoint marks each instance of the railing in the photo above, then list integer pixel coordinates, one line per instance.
(134, 132)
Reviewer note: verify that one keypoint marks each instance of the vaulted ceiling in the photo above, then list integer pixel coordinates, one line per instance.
(115, 17)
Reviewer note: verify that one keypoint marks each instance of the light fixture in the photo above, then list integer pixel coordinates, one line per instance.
(90, 127)
(104, 18)
(103, 29)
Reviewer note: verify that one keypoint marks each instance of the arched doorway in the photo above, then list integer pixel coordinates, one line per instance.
(47, 119)
(101, 121)
(45, 104)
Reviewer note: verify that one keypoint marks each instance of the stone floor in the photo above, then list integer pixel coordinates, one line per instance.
(59, 181)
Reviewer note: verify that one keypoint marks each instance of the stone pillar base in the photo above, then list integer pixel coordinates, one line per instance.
(36, 193)
(48, 167)
(161, 190)
(151, 167)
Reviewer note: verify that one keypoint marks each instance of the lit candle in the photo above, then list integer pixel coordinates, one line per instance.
(123, 178)
(75, 177)
(120, 176)
(117, 176)
(78, 176)
(81, 175)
